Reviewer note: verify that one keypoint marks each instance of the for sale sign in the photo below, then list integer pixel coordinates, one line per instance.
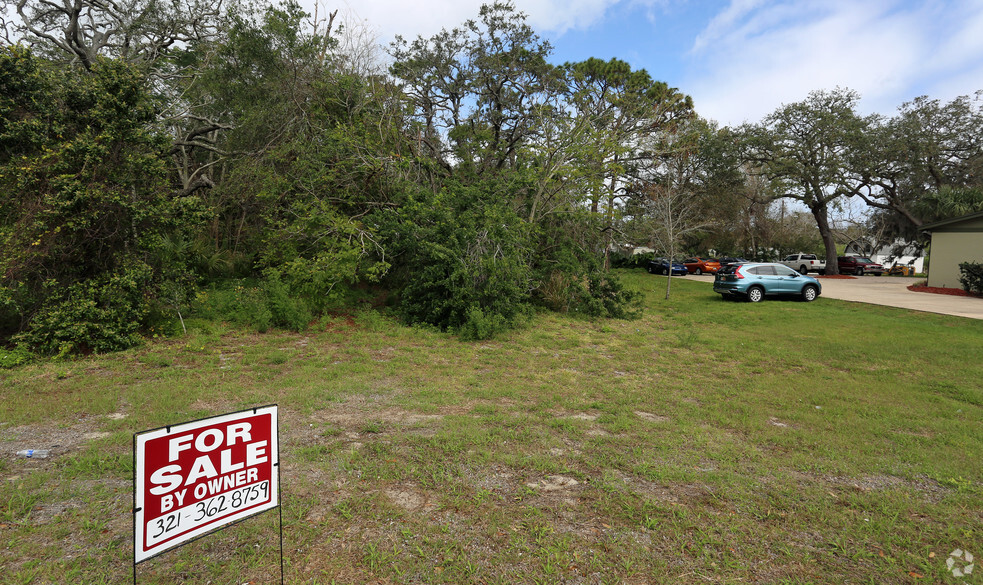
(193, 478)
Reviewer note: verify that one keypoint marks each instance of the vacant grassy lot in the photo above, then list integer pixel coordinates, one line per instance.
(709, 441)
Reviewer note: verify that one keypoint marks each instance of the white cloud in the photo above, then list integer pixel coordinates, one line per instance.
(756, 55)
(428, 17)
(958, 59)
(725, 22)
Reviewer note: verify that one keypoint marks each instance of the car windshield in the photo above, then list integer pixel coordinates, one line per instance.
(867, 260)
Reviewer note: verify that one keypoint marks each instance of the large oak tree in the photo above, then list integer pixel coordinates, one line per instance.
(804, 149)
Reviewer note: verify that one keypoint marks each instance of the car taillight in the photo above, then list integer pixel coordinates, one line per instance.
(737, 272)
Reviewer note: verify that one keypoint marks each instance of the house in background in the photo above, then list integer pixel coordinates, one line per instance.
(885, 255)
(954, 241)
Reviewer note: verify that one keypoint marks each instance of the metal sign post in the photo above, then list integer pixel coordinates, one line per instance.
(193, 478)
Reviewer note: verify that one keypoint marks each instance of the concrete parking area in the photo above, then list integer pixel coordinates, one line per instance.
(890, 291)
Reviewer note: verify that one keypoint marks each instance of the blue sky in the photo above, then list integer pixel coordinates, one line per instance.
(741, 59)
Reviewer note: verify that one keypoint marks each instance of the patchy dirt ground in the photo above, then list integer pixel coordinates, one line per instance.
(387, 479)
(344, 523)
(59, 440)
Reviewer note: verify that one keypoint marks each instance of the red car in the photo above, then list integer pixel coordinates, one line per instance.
(701, 265)
(858, 265)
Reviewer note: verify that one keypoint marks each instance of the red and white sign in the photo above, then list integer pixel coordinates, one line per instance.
(196, 477)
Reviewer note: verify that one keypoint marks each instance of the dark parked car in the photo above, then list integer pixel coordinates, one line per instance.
(661, 266)
(730, 261)
(754, 281)
(858, 265)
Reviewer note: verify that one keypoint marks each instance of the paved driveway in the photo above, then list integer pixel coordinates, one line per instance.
(891, 291)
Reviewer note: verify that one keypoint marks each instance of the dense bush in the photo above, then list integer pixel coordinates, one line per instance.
(462, 261)
(260, 304)
(85, 204)
(568, 274)
(604, 296)
(11, 358)
(631, 260)
(100, 314)
(971, 277)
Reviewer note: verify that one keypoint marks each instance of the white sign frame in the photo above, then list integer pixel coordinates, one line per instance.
(232, 477)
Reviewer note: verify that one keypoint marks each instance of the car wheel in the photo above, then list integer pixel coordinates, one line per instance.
(809, 293)
(651, 270)
(755, 294)
(803, 269)
(859, 271)
(665, 272)
(697, 272)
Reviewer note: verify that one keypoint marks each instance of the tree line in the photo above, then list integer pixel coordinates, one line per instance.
(151, 151)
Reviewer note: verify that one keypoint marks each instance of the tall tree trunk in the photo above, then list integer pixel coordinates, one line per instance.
(821, 213)
(612, 195)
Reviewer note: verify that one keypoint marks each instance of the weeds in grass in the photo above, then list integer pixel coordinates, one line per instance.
(97, 524)
(96, 462)
(372, 427)
(26, 576)
(693, 434)
(688, 338)
(18, 498)
(311, 453)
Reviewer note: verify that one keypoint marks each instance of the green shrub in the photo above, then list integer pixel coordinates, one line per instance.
(631, 260)
(11, 358)
(102, 314)
(287, 311)
(971, 277)
(258, 304)
(572, 279)
(464, 261)
(479, 325)
(237, 301)
(605, 296)
(85, 208)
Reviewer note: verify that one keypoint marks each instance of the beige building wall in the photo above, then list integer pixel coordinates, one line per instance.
(952, 245)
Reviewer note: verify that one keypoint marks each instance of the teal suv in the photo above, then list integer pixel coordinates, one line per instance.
(754, 281)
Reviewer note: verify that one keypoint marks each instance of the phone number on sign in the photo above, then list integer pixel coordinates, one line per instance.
(200, 513)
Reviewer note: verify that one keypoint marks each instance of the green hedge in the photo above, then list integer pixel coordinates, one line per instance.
(641, 260)
(971, 277)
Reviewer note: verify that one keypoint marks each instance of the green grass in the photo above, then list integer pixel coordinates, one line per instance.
(708, 441)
